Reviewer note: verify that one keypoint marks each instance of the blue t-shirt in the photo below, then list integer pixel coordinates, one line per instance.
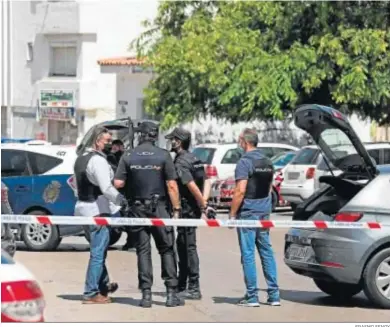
(244, 170)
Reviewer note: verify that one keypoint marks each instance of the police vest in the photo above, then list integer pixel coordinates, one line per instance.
(197, 171)
(86, 191)
(146, 166)
(260, 178)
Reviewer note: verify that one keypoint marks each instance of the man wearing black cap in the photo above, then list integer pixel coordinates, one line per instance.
(194, 195)
(148, 174)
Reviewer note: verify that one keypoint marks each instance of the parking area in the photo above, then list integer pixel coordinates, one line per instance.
(61, 274)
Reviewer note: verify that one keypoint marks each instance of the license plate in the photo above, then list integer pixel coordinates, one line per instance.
(296, 252)
(293, 175)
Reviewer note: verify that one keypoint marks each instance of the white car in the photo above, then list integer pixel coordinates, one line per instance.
(298, 183)
(22, 299)
(39, 181)
(221, 159)
(380, 152)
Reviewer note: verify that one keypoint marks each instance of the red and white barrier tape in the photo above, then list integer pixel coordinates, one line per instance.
(105, 221)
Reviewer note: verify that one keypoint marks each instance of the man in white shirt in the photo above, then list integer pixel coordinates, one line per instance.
(97, 197)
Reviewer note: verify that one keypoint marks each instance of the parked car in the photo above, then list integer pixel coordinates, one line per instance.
(222, 194)
(343, 262)
(38, 177)
(7, 236)
(281, 160)
(380, 152)
(221, 159)
(22, 299)
(298, 175)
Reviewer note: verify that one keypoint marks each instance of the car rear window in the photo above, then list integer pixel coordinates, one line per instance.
(305, 156)
(204, 154)
(231, 156)
(41, 163)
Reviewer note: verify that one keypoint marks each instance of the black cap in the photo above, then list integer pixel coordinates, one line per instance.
(179, 133)
(147, 127)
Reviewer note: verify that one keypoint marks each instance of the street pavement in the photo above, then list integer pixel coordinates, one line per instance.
(61, 275)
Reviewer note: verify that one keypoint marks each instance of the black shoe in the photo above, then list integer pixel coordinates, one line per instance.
(172, 299)
(181, 288)
(109, 289)
(193, 294)
(146, 301)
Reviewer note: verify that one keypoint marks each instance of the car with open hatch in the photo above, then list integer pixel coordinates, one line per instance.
(343, 262)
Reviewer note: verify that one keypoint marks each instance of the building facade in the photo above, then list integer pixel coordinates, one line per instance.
(52, 84)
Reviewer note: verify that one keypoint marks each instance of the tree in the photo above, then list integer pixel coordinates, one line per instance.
(246, 60)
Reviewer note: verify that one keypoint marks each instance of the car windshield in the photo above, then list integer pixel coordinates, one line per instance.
(204, 154)
(282, 159)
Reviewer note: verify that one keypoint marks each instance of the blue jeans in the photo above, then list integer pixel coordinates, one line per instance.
(97, 275)
(249, 238)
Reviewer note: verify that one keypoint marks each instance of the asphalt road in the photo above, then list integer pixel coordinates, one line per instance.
(62, 274)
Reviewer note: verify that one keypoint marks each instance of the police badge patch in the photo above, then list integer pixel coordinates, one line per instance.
(52, 192)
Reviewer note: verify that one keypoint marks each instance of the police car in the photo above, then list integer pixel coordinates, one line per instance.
(39, 180)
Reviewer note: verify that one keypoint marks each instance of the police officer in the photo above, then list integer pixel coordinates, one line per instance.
(252, 200)
(194, 195)
(148, 174)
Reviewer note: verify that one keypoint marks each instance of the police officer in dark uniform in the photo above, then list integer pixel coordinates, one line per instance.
(191, 181)
(148, 174)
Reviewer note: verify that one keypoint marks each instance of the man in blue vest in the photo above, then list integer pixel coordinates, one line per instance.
(252, 200)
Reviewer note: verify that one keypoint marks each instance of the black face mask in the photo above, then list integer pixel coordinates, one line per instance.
(174, 146)
(118, 155)
(107, 148)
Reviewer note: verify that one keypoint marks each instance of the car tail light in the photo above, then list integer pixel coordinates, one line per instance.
(348, 216)
(211, 171)
(310, 173)
(21, 301)
(4, 195)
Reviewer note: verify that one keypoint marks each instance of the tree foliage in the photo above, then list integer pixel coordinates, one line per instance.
(245, 60)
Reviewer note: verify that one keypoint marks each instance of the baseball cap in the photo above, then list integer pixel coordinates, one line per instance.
(179, 133)
(147, 127)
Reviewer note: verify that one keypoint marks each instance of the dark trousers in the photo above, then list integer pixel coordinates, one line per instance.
(188, 253)
(164, 240)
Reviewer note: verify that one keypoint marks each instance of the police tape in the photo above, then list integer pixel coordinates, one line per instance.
(159, 222)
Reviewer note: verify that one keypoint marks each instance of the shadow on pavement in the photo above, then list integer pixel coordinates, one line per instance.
(308, 298)
(115, 299)
(321, 299)
(65, 248)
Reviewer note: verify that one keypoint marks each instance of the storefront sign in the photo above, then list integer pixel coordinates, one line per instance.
(56, 99)
(56, 113)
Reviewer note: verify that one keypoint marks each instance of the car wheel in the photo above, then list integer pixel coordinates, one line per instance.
(115, 235)
(338, 290)
(275, 199)
(376, 279)
(40, 237)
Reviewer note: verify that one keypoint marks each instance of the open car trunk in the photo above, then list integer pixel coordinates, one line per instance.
(344, 151)
(124, 129)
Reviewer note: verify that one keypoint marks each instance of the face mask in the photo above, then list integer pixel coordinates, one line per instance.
(240, 149)
(118, 154)
(107, 148)
(172, 145)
